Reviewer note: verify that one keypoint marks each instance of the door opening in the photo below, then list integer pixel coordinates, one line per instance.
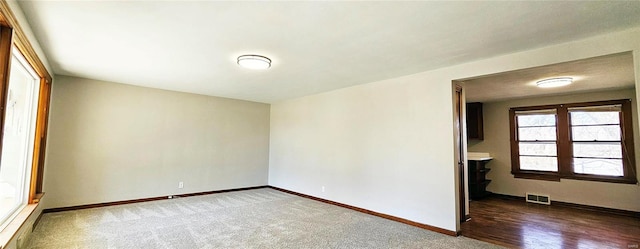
(460, 149)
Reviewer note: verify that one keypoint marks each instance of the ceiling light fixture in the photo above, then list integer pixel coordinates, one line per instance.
(554, 82)
(255, 62)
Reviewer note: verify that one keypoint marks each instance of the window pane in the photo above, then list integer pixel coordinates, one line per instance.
(537, 133)
(539, 163)
(596, 133)
(538, 149)
(607, 167)
(594, 118)
(536, 120)
(18, 137)
(604, 150)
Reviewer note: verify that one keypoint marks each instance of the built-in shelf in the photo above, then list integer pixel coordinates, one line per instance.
(477, 175)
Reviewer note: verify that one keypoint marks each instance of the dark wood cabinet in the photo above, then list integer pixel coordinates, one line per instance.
(475, 129)
(477, 178)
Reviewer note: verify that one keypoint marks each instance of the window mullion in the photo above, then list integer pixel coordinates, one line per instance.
(565, 160)
(515, 151)
(628, 151)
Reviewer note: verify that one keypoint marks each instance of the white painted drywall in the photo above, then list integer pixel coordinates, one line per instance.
(111, 142)
(370, 147)
(496, 141)
(388, 146)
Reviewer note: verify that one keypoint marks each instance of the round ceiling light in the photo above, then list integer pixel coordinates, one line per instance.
(255, 62)
(554, 82)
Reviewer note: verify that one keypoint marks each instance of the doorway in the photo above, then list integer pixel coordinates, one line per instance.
(460, 135)
(601, 78)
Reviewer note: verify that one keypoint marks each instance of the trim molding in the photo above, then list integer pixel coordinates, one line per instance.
(362, 210)
(366, 211)
(578, 206)
(35, 223)
(18, 37)
(21, 41)
(114, 203)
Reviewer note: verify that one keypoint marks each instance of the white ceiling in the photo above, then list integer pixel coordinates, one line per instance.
(593, 74)
(191, 46)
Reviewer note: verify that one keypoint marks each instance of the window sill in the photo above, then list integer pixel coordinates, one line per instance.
(537, 176)
(556, 178)
(602, 179)
(9, 232)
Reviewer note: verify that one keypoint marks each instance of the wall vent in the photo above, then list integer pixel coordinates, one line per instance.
(540, 199)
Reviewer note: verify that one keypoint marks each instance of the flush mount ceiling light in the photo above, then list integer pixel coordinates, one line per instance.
(554, 82)
(255, 62)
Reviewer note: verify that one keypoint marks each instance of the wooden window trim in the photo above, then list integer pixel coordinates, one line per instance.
(564, 145)
(5, 61)
(8, 19)
(515, 157)
(17, 37)
(12, 34)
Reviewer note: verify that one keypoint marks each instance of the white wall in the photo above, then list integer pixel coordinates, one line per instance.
(370, 147)
(388, 146)
(496, 141)
(110, 142)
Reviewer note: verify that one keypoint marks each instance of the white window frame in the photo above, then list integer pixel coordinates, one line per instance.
(25, 176)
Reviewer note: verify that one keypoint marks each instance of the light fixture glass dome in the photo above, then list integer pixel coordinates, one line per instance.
(554, 82)
(255, 62)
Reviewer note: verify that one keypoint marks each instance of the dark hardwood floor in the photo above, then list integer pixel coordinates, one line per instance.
(517, 224)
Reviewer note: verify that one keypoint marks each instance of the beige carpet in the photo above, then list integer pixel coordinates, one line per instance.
(261, 218)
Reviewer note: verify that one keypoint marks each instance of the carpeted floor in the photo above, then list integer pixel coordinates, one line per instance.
(261, 218)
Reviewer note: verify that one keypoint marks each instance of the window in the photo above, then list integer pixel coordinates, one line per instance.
(25, 88)
(18, 136)
(586, 141)
(537, 140)
(596, 140)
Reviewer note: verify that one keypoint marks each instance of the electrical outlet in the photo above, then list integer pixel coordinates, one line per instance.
(322, 189)
(181, 185)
